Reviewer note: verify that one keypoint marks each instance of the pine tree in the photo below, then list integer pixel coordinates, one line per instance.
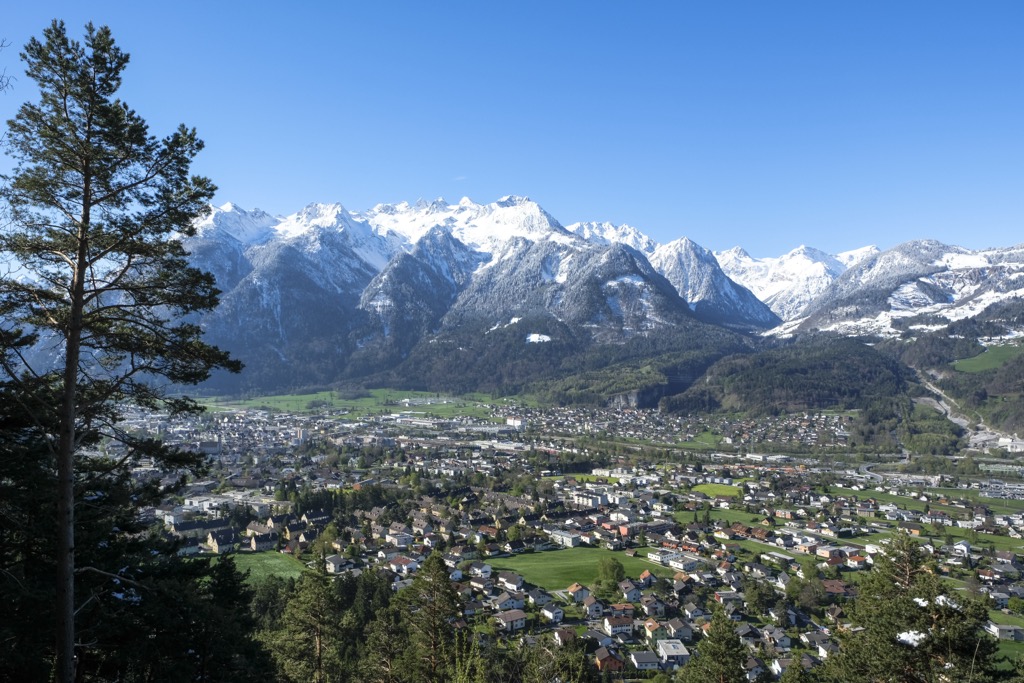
(796, 673)
(96, 204)
(432, 606)
(306, 645)
(914, 627)
(720, 655)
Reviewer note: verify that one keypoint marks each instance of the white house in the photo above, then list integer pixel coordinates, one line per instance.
(553, 613)
(511, 620)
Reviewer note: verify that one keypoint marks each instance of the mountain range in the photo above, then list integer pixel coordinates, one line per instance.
(493, 296)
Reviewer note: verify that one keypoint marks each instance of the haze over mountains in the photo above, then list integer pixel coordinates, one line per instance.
(325, 294)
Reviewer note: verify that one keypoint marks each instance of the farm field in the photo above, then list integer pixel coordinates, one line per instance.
(557, 569)
(703, 441)
(730, 516)
(719, 490)
(980, 541)
(262, 565)
(373, 401)
(1012, 651)
(992, 358)
(997, 505)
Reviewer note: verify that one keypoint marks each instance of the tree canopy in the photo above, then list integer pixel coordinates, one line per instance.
(97, 294)
(914, 628)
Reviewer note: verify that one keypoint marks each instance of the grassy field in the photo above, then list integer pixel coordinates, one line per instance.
(997, 505)
(703, 441)
(376, 401)
(992, 358)
(730, 516)
(262, 565)
(981, 541)
(719, 490)
(1012, 651)
(559, 569)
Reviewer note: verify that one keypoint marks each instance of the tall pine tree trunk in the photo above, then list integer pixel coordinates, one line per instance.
(117, 292)
(66, 463)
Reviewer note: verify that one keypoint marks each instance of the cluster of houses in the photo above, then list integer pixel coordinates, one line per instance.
(279, 532)
(774, 518)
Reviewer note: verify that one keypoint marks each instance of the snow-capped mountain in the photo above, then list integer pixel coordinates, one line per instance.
(324, 293)
(918, 278)
(247, 227)
(607, 233)
(697, 276)
(482, 227)
(789, 284)
(365, 289)
(611, 290)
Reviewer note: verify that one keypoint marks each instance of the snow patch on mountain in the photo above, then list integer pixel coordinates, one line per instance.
(787, 284)
(483, 227)
(247, 227)
(919, 278)
(855, 256)
(695, 273)
(605, 234)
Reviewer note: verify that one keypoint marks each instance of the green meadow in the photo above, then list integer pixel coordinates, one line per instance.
(992, 358)
(369, 402)
(713, 490)
(558, 569)
(262, 565)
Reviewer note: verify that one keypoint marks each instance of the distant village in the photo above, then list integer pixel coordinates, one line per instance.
(774, 540)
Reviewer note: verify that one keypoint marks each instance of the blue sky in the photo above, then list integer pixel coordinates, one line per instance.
(763, 124)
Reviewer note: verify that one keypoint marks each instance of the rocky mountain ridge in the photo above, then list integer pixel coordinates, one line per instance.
(326, 293)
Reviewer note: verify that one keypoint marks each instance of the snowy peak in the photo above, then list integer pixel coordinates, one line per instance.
(484, 227)
(923, 277)
(855, 256)
(788, 284)
(736, 253)
(313, 216)
(606, 234)
(247, 227)
(697, 276)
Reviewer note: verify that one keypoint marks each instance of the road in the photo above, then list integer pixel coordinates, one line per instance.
(982, 436)
(866, 469)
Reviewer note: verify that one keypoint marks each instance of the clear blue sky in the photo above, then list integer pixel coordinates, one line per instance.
(763, 124)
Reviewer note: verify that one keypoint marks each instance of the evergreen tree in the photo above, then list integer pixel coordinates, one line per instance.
(147, 615)
(387, 644)
(431, 606)
(914, 628)
(306, 645)
(795, 673)
(95, 204)
(720, 655)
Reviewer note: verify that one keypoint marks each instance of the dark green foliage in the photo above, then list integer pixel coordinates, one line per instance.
(307, 643)
(572, 368)
(796, 674)
(144, 613)
(817, 373)
(432, 606)
(915, 628)
(719, 656)
(993, 395)
(104, 289)
(759, 596)
(934, 349)
(473, 357)
(642, 381)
